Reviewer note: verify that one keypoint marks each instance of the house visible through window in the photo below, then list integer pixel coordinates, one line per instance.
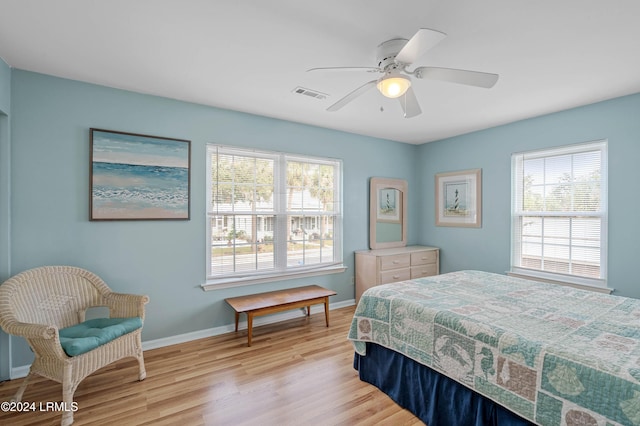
(559, 214)
(271, 214)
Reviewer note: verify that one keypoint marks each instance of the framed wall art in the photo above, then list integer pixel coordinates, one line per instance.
(138, 177)
(459, 198)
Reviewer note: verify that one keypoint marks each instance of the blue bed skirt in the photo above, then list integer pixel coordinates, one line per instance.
(434, 398)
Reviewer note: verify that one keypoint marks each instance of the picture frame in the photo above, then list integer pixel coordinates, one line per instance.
(138, 177)
(459, 198)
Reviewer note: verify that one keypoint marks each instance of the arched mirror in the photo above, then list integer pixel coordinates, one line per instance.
(387, 213)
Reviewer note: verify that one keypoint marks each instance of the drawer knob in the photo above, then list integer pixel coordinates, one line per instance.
(396, 277)
(395, 262)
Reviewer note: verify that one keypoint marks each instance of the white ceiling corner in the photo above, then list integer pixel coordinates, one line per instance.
(250, 55)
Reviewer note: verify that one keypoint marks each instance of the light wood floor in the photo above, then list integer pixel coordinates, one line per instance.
(296, 372)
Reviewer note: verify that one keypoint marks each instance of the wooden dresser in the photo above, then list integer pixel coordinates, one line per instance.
(383, 266)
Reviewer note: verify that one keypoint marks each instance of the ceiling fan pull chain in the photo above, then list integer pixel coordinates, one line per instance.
(404, 110)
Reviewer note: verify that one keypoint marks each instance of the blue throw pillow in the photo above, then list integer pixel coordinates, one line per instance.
(88, 335)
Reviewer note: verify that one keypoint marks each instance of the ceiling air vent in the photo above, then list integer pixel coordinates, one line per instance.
(311, 93)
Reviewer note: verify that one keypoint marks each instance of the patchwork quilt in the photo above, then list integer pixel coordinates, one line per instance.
(554, 355)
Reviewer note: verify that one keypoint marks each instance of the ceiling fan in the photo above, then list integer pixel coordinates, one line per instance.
(394, 56)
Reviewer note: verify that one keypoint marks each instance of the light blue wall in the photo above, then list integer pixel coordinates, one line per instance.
(50, 123)
(5, 106)
(49, 155)
(488, 248)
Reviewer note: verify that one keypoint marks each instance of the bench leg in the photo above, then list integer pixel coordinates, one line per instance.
(308, 310)
(237, 318)
(326, 310)
(249, 327)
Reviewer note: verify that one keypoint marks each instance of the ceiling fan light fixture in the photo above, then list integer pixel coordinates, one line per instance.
(393, 85)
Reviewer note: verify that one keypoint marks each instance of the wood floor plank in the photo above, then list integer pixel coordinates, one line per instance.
(296, 371)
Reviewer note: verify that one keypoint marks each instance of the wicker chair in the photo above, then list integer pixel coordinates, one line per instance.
(37, 303)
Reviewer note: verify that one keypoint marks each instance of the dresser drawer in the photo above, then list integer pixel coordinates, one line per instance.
(424, 270)
(395, 275)
(384, 266)
(395, 262)
(424, 257)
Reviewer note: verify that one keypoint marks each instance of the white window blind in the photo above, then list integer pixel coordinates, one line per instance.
(271, 214)
(559, 213)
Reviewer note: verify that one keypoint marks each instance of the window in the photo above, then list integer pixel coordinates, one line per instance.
(559, 214)
(271, 215)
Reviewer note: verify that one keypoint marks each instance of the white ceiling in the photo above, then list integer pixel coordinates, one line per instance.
(249, 55)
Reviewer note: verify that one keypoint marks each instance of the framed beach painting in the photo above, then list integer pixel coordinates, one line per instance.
(459, 198)
(138, 177)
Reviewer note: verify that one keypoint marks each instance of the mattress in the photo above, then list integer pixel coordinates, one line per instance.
(551, 354)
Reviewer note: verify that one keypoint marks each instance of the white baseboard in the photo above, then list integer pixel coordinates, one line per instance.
(19, 372)
(23, 370)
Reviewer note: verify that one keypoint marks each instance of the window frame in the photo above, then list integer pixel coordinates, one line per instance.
(518, 212)
(280, 214)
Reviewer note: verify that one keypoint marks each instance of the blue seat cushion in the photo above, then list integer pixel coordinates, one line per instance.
(88, 335)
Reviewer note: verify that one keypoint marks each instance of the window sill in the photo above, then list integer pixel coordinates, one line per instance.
(220, 284)
(585, 284)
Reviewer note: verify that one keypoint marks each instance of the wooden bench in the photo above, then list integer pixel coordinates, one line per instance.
(278, 301)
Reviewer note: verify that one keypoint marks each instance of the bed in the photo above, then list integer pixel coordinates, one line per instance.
(502, 350)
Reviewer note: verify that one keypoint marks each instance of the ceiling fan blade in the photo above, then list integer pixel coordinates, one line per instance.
(422, 41)
(410, 104)
(351, 96)
(471, 78)
(365, 69)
